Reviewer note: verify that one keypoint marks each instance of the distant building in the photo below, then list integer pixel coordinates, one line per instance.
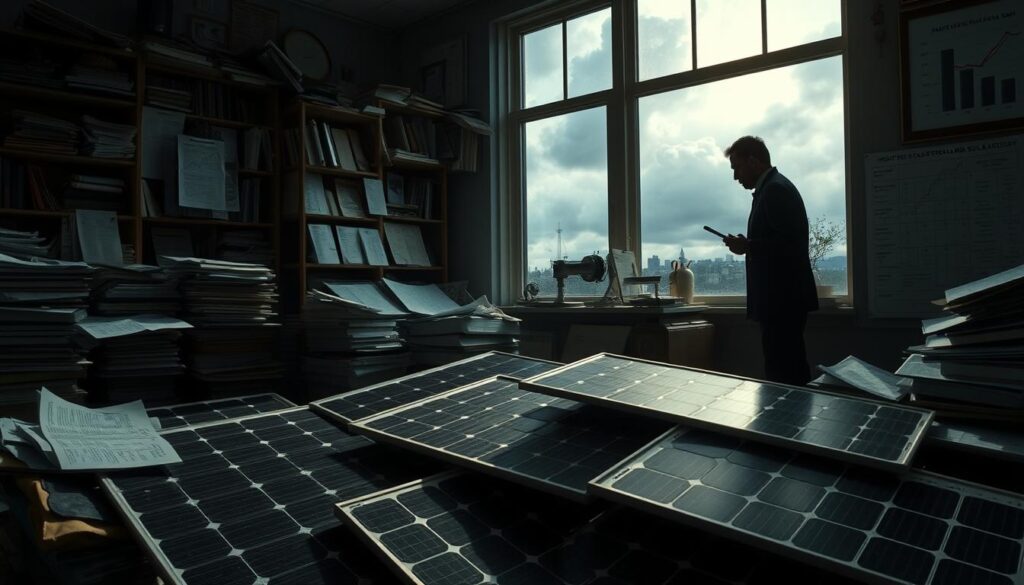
(653, 263)
(682, 257)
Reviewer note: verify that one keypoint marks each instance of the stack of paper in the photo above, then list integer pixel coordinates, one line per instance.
(170, 98)
(36, 349)
(23, 244)
(107, 79)
(39, 132)
(107, 139)
(351, 337)
(38, 282)
(39, 14)
(133, 357)
(248, 246)
(973, 356)
(93, 192)
(35, 70)
(71, 437)
(134, 289)
(232, 306)
(445, 331)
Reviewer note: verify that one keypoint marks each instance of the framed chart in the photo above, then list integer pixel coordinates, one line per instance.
(962, 68)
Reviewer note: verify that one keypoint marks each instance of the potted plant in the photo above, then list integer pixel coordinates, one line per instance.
(822, 237)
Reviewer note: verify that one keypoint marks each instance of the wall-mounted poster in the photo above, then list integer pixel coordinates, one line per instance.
(962, 68)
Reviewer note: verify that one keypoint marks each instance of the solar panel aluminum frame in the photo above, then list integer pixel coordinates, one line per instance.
(318, 405)
(343, 511)
(361, 427)
(602, 487)
(535, 384)
(162, 564)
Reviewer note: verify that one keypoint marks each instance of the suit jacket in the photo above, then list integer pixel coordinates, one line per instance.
(779, 278)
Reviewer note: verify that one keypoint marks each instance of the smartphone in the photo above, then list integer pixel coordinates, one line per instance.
(714, 231)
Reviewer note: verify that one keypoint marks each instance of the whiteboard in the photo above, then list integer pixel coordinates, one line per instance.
(938, 217)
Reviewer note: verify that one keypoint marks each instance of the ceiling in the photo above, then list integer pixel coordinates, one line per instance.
(390, 14)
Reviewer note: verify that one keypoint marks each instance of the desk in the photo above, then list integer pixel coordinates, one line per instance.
(666, 334)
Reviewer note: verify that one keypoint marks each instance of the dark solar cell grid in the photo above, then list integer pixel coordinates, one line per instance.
(366, 402)
(252, 499)
(505, 533)
(915, 527)
(494, 427)
(193, 413)
(862, 431)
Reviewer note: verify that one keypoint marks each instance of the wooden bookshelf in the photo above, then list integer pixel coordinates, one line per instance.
(25, 207)
(299, 266)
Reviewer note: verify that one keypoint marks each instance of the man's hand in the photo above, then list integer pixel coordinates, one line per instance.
(737, 244)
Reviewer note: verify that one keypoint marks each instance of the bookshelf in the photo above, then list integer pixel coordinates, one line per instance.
(36, 80)
(45, 178)
(228, 110)
(313, 171)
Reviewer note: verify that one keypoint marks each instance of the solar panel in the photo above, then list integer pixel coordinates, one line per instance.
(494, 427)
(192, 413)
(861, 431)
(914, 527)
(465, 528)
(359, 404)
(250, 502)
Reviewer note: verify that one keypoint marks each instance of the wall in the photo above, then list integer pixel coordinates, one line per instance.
(365, 50)
(873, 125)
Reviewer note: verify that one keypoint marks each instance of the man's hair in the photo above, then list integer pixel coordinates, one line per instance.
(749, 146)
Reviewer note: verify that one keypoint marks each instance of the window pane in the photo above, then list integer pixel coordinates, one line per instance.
(819, 19)
(663, 38)
(567, 188)
(727, 30)
(542, 66)
(686, 182)
(588, 45)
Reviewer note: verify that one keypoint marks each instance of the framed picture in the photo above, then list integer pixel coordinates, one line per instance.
(208, 33)
(433, 81)
(961, 68)
(451, 73)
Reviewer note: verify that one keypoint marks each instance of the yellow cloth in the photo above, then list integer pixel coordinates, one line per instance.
(53, 532)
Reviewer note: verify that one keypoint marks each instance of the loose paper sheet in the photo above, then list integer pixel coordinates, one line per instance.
(426, 299)
(99, 237)
(866, 377)
(115, 437)
(201, 177)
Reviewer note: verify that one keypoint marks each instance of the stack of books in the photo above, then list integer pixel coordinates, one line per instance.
(93, 192)
(100, 74)
(163, 95)
(108, 139)
(351, 338)
(175, 54)
(44, 282)
(133, 358)
(134, 289)
(248, 246)
(42, 133)
(232, 306)
(972, 361)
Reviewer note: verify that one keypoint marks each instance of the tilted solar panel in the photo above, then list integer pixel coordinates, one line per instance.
(251, 500)
(364, 402)
(465, 529)
(192, 413)
(851, 429)
(914, 527)
(494, 427)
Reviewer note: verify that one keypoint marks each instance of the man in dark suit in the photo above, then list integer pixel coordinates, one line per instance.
(780, 285)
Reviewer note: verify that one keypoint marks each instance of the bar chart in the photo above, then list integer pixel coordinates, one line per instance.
(964, 66)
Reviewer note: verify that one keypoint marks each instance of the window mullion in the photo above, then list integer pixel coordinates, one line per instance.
(693, 34)
(764, 27)
(565, 60)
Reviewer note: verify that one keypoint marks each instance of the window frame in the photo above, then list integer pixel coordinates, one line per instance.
(622, 109)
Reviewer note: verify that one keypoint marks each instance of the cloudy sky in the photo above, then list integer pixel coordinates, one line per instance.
(686, 181)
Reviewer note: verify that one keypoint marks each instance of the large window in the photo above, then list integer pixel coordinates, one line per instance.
(628, 152)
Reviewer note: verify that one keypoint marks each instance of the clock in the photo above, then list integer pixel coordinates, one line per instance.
(308, 54)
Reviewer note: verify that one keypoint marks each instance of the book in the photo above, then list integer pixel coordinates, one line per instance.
(341, 145)
(348, 199)
(374, 190)
(362, 163)
(325, 250)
